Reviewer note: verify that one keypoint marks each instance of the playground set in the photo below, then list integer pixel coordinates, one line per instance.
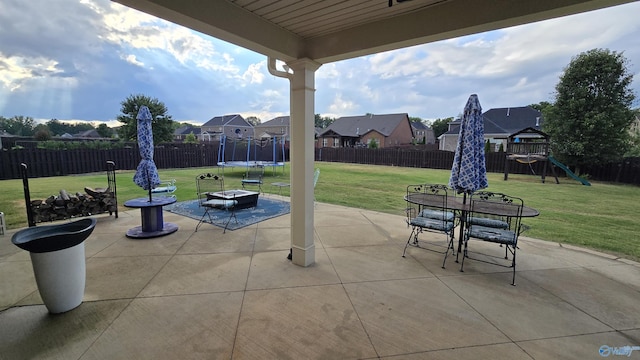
(530, 145)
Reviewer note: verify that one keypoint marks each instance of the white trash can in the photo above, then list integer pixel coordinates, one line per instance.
(57, 256)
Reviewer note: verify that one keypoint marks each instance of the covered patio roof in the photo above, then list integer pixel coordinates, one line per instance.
(305, 34)
(332, 30)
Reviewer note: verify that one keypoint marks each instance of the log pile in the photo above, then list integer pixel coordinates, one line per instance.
(65, 206)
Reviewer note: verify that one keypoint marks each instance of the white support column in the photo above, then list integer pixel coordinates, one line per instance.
(302, 107)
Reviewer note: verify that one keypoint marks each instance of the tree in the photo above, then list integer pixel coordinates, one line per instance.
(42, 134)
(323, 121)
(57, 127)
(542, 106)
(487, 146)
(18, 125)
(590, 118)
(253, 120)
(161, 123)
(190, 138)
(634, 136)
(104, 131)
(440, 126)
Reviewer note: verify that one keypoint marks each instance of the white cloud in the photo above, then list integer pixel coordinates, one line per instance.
(341, 106)
(131, 59)
(75, 59)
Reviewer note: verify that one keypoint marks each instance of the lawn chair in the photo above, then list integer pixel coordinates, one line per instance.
(428, 210)
(166, 188)
(253, 177)
(208, 184)
(503, 232)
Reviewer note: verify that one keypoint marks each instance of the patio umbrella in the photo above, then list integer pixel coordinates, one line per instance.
(469, 170)
(146, 175)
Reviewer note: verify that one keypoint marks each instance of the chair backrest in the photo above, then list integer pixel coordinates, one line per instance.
(207, 183)
(316, 175)
(498, 204)
(254, 172)
(431, 201)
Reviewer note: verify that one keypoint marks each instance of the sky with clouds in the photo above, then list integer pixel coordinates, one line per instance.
(79, 59)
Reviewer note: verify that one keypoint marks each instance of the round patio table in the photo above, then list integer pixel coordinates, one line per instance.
(153, 224)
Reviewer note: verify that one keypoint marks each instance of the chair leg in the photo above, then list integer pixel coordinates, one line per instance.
(232, 216)
(513, 264)
(206, 212)
(414, 236)
(464, 253)
(449, 247)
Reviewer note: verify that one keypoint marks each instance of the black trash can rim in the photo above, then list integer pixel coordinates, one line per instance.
(47, 238)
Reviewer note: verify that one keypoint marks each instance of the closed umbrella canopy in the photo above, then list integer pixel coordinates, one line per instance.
(469, 170)
(146, 175)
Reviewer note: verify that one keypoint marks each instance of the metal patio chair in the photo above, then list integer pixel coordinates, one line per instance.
(253, 177)
(428, 210)
(207, 184)
(501, 231)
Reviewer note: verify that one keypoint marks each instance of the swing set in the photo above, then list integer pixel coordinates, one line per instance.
(529, 146)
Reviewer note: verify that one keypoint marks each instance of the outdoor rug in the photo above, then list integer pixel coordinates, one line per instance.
(266, 209)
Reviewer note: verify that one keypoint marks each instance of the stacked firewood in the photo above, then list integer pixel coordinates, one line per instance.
(65, 206)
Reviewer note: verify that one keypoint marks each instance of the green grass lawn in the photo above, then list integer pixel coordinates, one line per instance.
(600, 216)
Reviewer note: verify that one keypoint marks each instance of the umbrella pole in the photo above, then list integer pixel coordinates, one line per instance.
(149, 182)
(463, 217)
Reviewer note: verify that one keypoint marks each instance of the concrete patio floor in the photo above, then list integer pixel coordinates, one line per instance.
(209, 295)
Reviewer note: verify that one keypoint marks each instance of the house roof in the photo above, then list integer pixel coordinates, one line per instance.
(511, 120)
(186, 130)
(87, 134)
(505, 121)
(223, 120)
(277, 121)
(356, 126)
(419, 125)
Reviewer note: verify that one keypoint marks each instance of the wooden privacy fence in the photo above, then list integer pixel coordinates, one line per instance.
(626, 171)
(44, 162)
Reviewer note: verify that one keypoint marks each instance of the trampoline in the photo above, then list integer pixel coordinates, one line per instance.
(254, 159)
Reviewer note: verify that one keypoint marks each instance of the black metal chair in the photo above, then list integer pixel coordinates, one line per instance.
(253, 177)
(208, 185)
(428, 210)
(501, 231)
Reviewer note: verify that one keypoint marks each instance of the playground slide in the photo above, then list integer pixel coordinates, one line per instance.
(569, 172)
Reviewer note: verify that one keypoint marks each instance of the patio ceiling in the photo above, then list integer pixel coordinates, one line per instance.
(333, 30)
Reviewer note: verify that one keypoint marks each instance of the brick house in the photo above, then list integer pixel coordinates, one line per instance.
(352, 131)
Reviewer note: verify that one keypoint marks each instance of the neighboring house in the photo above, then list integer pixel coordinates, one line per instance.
(422, 132)
(498, 125)
(279, 126)
(88, 134)
(181, 133)
(351, 131)
(233, 126)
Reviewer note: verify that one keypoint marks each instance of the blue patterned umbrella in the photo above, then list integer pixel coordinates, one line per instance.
(146, 175)
(469, 170)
